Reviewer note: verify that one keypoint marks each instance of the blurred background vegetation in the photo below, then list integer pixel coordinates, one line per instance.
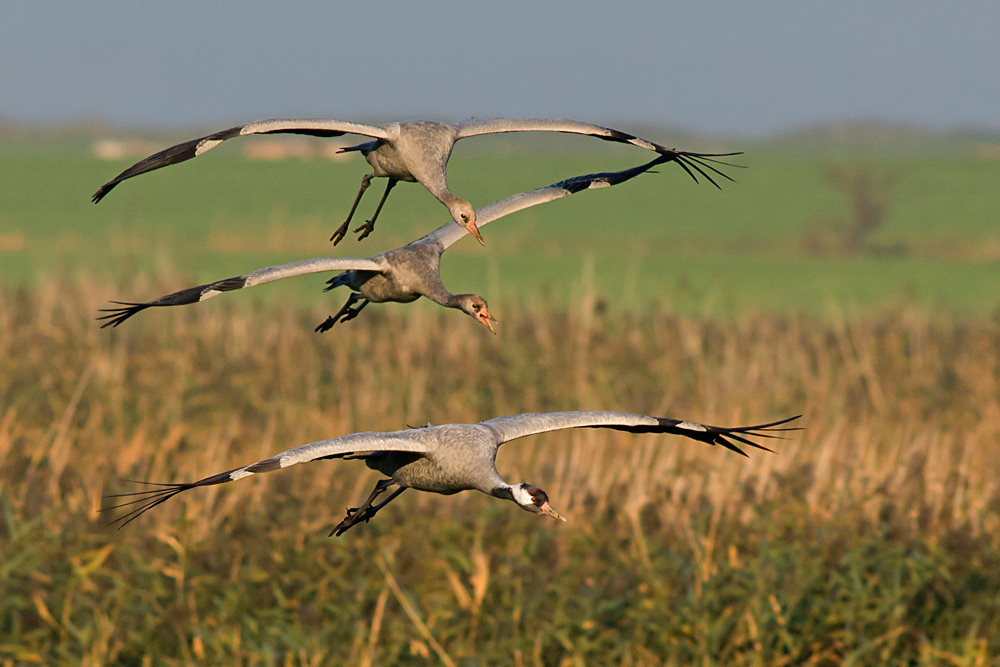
(850, 276)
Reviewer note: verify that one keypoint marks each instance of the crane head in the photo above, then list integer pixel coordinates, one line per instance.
(464, 215)
(475, 306)
(531, 498)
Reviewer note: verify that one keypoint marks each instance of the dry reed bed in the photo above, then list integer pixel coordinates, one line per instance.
(902, 416)
(892, 407)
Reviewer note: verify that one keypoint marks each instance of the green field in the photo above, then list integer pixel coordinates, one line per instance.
(771, 242)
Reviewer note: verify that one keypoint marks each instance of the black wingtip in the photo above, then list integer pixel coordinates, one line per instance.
(702, 163)
(728, 437)
(743, 433)
(168, 156)
(580, 183)
(146, 500)
(771, 426)
(183, 297)
(103, 191)
(116, 316)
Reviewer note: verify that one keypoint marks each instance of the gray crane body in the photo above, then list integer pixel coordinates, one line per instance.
(418, 152)
(459, 457)
(412, 271)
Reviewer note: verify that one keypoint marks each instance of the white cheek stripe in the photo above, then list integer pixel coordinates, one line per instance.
(521, 496)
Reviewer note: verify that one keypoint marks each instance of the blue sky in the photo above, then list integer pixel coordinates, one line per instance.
(726, 66)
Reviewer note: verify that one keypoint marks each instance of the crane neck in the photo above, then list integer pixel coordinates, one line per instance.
(440, 294)
(505, 491)
(512, 492)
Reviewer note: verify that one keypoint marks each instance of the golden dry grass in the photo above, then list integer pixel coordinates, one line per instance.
(872, 536)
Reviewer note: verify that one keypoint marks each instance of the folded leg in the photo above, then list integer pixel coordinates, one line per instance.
(365, 512)
(347, 313)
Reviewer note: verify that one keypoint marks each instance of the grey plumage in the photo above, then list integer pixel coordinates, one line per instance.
(450, 458)
(413, 151)
(401, 275)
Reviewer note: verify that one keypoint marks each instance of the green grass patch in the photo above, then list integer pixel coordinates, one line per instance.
(772, 241)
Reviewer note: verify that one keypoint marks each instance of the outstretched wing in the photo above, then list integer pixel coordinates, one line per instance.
(397, 441)
(116, 316)
(691, 162)
(518, 426)
(449, 233)
(317, 127)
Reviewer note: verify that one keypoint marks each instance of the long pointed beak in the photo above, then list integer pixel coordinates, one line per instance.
(474, 230)
(547, 510)
(488, 320)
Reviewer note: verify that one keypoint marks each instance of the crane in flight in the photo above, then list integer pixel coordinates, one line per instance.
(413, 151)
(450, 458)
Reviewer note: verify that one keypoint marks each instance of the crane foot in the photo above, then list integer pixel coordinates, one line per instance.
(368, 228)
(347, 313)
(341, 232)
